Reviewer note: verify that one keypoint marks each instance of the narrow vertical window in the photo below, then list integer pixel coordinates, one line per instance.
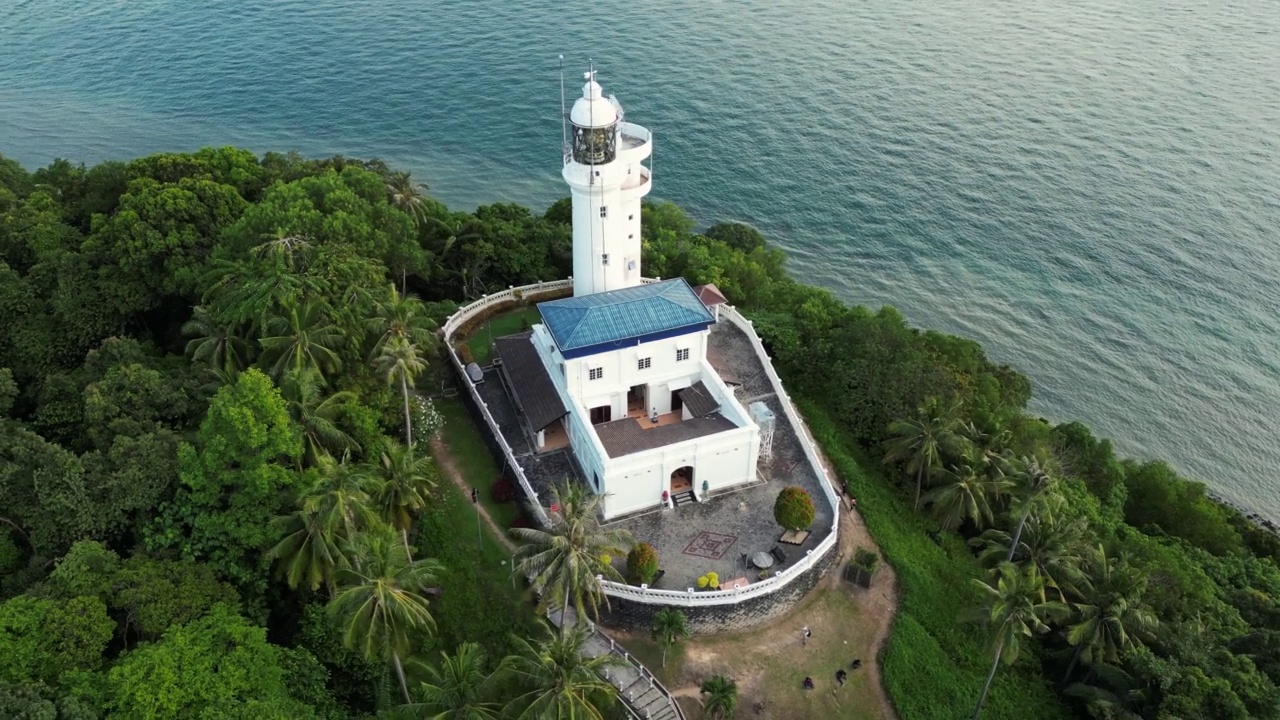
(604, 211)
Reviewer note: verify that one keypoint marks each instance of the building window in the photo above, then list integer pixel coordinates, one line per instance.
(604, 259)
(682, 354)
(632, 236)
(604, 211)
(596, 373)
(643, 364)
(631, 217)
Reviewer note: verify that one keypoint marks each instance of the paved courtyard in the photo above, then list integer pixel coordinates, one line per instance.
(696, 538)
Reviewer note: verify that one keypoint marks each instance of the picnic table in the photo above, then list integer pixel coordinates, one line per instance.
(762, 560)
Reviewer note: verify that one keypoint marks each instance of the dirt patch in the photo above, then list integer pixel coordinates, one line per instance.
(449, 468)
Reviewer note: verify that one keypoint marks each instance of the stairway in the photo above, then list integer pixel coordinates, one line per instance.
(684, 497)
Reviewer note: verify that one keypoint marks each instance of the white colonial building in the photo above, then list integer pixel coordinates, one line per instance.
(619, 371)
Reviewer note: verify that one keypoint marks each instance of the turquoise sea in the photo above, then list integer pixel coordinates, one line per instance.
(1089, 188)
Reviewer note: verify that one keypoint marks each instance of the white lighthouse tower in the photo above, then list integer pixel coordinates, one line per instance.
(603, 165)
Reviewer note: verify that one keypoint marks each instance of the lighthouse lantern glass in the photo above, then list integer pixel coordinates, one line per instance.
(595, 146)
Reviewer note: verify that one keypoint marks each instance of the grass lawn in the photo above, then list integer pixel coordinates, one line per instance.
(498, 326)
(478, 600)
(473, 458)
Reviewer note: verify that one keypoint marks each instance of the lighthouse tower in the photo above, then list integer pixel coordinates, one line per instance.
(603, 165)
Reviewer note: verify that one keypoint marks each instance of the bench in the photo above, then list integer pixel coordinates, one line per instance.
(778, 554)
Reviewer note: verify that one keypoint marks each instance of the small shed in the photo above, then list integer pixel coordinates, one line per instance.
(711, 296)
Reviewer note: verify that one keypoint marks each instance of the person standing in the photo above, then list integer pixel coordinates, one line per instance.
(804, 637)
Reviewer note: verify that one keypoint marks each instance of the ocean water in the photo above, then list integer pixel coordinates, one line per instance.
(1089, 188)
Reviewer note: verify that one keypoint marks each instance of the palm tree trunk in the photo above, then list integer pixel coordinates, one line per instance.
(1017, 535)
(404, 535)
(990, 676)
(919, 475)
(408, 427)
(1075, 658)
(404, 685)
(664, 653)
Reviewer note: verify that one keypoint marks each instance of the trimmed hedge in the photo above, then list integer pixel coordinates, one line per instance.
(794, 509)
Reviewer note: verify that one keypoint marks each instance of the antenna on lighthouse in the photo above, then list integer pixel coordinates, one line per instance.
(564, 127)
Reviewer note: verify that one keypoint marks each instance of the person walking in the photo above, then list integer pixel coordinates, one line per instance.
(804, 637)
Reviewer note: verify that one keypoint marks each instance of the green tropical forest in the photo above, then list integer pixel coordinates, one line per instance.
(219, 381)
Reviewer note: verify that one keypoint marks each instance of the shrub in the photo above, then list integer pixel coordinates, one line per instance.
(642, 564)
(794, 509)
(503, 490)
(702, 582)
(866, 559)
(464, 354)
(713, 580)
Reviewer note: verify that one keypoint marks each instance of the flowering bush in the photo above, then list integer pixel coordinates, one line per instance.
(710, 581)
(427, 421)
(503, 490)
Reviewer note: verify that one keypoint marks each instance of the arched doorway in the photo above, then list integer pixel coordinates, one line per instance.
(682, 480)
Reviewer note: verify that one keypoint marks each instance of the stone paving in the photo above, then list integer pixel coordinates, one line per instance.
(743, 517)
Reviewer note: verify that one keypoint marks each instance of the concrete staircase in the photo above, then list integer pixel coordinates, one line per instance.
(685, 497)
(640, 692)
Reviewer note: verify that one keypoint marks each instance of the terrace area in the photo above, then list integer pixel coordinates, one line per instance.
(723, 532)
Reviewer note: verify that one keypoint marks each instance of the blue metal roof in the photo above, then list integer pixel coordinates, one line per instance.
(606, 321)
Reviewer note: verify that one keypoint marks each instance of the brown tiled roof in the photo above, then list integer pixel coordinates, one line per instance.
(535, 392)
(626, 436)
(710, 295)
(698, 400)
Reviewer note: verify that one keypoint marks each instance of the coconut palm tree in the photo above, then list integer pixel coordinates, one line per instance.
(400, 485)
(563, 682)
(213, 344)
(566, 557)
(1052, 546)
(1031, 479)
(965, 493)
(722, 696)
(330, 515)
(1012, 610)
(669, 627)
(381, 604)
(399, 315)
(459, 689)
(304, 338)
(1109, 620)
(400, 362)
(405, 194)
(921, 442)
(317, 415)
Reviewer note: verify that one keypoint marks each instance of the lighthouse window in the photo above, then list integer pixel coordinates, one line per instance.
(631, 217)
(604, 211)
(595, 146)
(604, 259)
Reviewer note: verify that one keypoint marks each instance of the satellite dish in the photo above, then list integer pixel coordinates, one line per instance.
(613, 100)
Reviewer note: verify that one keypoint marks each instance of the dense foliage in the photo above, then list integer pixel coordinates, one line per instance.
(213, 498)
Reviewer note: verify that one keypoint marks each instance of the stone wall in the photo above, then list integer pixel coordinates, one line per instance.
(632, 615)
